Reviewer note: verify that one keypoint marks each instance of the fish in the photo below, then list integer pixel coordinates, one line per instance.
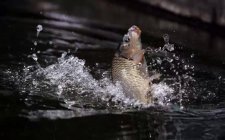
(129, 67)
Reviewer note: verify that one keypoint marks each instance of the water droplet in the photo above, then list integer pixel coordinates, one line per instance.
(192, 67)
(181, 107)
(69, 51)
(166, 38)
(64, 54)
(172, 66)
(39, 29)
(34, 82)
(34, 56)
(169, 47)
(169, 59)
(182, 61)
(176, 58)
(105, 74)
(35, 43)
(60, 90)
(158, 61)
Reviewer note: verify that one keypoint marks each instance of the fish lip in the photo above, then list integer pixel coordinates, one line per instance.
(135, 29)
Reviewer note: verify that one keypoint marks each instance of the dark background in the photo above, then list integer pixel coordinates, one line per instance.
(95, 28)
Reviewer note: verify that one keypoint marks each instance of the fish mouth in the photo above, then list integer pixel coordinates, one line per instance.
(135, 29)
(131, 47)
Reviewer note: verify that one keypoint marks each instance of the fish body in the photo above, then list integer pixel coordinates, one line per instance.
(130, 69)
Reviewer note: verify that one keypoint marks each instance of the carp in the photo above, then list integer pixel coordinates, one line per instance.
(129, 67)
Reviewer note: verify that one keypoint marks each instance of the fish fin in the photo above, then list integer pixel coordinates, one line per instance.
(155, 76)
(138, 57)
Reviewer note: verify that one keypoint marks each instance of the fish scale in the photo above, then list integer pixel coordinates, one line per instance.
(133, 78)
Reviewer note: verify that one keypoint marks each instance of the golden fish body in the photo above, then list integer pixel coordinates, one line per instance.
(133, 78)
(130, 69)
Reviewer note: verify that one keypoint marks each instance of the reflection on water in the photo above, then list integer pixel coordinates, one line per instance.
(55, 75)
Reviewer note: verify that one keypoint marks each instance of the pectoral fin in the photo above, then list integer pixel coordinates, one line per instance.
(138, 57)
(155, 76)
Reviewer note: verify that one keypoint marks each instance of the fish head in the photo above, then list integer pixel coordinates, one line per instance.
(131, 47)
(135, 34)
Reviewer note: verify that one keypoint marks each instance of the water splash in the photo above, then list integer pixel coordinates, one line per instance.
(71, 81)
(162, 92)
(168, 46)
(177, 74)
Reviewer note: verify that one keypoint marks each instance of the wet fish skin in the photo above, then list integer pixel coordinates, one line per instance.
(130, 69)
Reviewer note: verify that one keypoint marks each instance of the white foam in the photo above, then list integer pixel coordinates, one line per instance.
(162, 92)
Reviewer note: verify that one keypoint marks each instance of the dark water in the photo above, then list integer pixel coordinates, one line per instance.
(55, 74)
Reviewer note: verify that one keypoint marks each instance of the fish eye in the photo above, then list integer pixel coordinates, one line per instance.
(126, 38)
